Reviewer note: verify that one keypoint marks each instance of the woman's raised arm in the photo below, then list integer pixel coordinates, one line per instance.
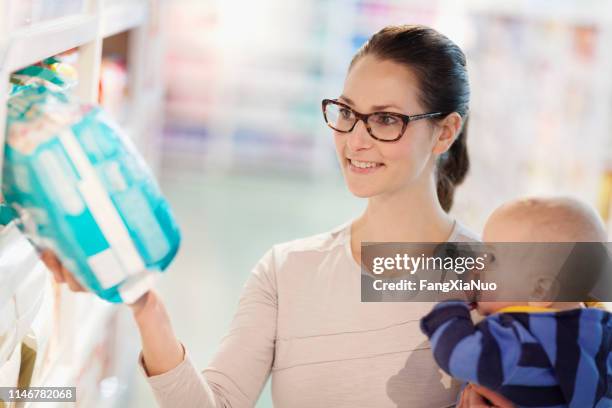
(239, 369)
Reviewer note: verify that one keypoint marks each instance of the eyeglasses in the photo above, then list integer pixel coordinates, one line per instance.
(382, 126)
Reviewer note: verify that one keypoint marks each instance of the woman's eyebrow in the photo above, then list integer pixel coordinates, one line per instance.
(373, 108)
(383, 107)
(346, 99)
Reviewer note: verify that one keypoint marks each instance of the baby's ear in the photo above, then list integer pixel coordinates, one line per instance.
(545, 291)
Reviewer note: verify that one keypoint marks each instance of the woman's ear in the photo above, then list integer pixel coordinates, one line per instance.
(447, 130)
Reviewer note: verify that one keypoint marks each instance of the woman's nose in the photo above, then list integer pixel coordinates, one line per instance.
(359, 138)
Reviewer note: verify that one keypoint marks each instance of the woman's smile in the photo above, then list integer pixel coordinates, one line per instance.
(363, 167)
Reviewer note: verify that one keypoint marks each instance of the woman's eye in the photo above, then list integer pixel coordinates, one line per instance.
(386, 120)
(345, 113)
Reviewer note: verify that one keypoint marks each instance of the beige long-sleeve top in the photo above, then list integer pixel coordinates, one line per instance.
(300, 318)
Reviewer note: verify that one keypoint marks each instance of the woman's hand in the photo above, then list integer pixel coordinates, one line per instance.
(161, 350)
(476, 396)
(60, 273)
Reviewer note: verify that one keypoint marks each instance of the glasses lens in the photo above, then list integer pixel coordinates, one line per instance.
(385, 126)
(339, 117)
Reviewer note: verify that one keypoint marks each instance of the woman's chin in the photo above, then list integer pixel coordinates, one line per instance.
(362, 191)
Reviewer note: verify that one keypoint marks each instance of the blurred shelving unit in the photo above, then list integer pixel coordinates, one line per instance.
(84, 344)
(245, 98)
(549, 64)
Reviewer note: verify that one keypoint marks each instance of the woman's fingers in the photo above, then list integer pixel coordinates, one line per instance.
(477, 396)
(496, 399)
(73, 284)
(60, 273)
(140, 304)
(475, 400)
(53, 264)
(471, 399)
(464, 396)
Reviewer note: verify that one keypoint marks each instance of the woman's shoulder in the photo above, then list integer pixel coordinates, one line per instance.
(461, 233)
(321, 242)
(305, 253)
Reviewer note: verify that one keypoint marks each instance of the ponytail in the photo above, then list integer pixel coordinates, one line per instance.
(452, 169)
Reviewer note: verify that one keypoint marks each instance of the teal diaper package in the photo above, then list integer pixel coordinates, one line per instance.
(82, 189)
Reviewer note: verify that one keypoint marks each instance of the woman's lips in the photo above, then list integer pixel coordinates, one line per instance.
(363, 167)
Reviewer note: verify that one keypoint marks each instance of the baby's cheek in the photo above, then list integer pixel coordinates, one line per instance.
(487, 308)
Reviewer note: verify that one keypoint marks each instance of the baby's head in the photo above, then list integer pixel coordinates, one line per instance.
(541, 220)
(544, 220)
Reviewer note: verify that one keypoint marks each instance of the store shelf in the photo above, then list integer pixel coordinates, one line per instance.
(592, 11)
(121, 18)
(91, 314)
(96, 314)
(85, 324)
(29, 45)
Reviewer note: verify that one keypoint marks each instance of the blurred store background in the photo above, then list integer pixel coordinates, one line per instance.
(244, 89)
(223, 99)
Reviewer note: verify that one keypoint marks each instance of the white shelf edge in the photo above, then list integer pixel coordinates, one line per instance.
(117, 19)
(29, 45)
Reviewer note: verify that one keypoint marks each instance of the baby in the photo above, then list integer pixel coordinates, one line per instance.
(535, 353)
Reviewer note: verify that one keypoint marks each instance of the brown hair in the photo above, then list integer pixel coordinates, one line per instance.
(440, 67)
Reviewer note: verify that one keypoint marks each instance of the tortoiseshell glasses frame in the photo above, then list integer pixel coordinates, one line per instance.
(383, 117)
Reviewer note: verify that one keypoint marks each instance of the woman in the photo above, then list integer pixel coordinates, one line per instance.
(400, 135)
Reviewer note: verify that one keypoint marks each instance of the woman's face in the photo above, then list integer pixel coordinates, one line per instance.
(376, 85)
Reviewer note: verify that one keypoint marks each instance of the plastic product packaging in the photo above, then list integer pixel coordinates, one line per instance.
(82, 190)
